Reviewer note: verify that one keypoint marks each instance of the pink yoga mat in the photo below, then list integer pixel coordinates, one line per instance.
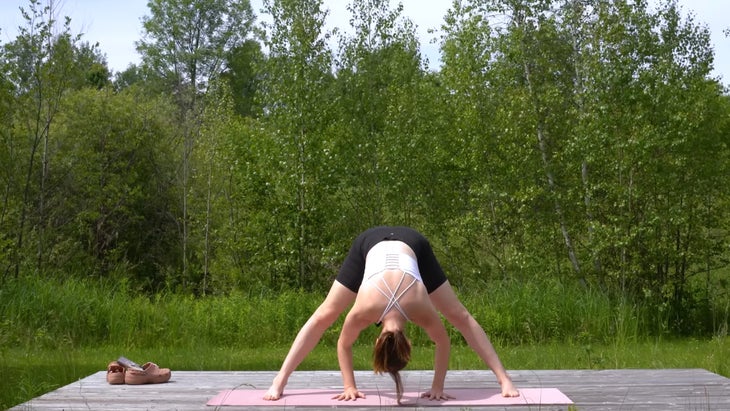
(323, 397)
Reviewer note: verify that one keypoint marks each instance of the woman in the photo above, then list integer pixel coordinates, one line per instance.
(392, 276)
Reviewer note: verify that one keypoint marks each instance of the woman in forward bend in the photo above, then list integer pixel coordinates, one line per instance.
(393, 277)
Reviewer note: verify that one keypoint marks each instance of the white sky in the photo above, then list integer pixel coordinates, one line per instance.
(116, 24)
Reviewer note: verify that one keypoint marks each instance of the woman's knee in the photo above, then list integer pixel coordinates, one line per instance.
(458, 316)
(325, 316)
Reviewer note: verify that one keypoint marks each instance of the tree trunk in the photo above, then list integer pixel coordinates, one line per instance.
(542, 143)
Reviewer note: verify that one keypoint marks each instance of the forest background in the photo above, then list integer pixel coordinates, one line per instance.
(567, 153)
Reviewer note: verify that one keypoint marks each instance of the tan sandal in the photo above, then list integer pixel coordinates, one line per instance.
(150, 374)
(114, 373)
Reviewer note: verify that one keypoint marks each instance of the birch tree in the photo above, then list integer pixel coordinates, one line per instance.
(39, 65)
(185, 43)
(295, 102)
(379, 76)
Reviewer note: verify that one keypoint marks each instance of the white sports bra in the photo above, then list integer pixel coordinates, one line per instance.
(389, 255)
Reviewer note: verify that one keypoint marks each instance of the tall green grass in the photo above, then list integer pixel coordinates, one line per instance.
(82, 312)
(74, 312)
(53, 332)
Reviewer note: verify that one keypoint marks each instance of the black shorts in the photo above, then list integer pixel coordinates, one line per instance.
(353, 268)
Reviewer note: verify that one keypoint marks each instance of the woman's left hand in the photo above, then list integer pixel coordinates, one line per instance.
(437, 395)
(349, 394)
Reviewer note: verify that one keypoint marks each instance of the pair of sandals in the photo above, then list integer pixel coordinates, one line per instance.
(126, 371)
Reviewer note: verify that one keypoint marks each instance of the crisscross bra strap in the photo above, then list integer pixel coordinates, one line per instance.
(393, 297)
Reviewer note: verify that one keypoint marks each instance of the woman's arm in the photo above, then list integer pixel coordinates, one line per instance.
(446, 301)
(351, 329)
(435, 329)
(440, 366)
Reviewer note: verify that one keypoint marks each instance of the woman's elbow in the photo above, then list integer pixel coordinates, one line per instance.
(442, 341)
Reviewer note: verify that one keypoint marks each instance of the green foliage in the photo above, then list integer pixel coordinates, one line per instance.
(615, 100)
(584, 146)
(42, 64)
(294, 94)
(115, 151)
(242, 76)
(185, 41)
(87, 312)
(55, 313)
(55, 331)
(383, 153)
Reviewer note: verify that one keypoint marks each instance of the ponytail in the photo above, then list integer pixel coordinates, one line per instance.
(391, 354)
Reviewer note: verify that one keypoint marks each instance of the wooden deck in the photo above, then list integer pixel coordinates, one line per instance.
(673, 389)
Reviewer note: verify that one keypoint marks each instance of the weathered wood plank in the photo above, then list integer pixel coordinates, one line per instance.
(592, 390)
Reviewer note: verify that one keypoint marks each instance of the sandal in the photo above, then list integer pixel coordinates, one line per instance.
(114, 373)
(150, 374)
(127, 364)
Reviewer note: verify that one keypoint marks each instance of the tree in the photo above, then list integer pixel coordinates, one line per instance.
(294, 97)
(243, 77)
(40, 67)
(379, 74)
(8, 176)
(489, 229)
(186, 41)
(185, 44)
(114, 219)
(91, 66)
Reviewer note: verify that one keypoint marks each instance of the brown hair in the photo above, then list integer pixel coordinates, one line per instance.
(391, 354)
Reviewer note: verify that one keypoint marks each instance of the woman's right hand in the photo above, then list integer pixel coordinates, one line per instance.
(437, 395)
(349, 394)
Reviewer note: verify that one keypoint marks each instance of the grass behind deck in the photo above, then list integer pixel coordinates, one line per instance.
(85, 313)
(53, 332)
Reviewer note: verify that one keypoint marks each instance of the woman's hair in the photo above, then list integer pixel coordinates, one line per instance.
(391, 354)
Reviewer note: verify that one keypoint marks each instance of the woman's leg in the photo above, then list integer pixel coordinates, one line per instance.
(445, 300)
(337, 301)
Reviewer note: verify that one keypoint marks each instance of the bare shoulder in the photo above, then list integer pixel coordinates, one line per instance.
(368, 306)
(420, 309)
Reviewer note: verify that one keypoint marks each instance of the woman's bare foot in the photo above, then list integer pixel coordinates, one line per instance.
(273, 394)
(275, 391)
(509, 390)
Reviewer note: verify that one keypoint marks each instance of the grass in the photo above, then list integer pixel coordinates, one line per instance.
(83, 313)
(53, 332)
(29, 373)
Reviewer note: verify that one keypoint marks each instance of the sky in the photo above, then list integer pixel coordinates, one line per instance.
(116, 25)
